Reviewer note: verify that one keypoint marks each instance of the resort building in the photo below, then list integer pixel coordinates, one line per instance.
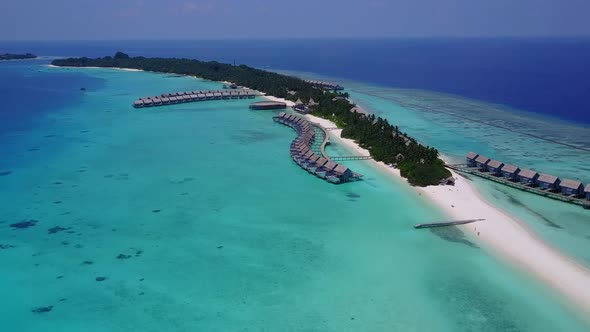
(571, 187)
(481, 162)
(341, 172)
(528, 177)
(510, 172)
(494, 167)
(328, 167)
(471, 159)
(325, 85)
(548, 182)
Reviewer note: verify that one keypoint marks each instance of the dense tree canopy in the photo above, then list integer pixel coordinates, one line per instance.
(9, 56)
(420, 164)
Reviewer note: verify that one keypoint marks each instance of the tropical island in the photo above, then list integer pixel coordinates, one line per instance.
(420, 164)
(10, 56)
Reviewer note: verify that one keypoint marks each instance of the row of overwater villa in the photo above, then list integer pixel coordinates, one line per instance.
(528, 178)
(302, 153)
(325, 85)
(192, 96)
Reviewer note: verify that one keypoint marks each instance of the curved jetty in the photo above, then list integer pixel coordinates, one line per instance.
(192, 96)
(566, 190)
(303, 154)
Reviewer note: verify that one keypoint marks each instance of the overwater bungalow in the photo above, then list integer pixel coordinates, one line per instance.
(165, 95)
(138, 103)
(322, 171)
(194, 97)
(217, 95)
(548, 182)
(157, 101)
(225, 95)
(470, 158)
(571, 187)
(251, 94)
(243, 94)
(311, 160)
(148, 102)
(481, 162)
(317, 164)
(201, 96)
(234, 95)
(510, 172)
(340, 174)
(587, 191)
(267, 105)
(494, 167)
(209, 96)
(528, 177)
(307, 155)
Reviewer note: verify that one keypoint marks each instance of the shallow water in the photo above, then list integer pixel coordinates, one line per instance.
(197, 219)
(443, 122)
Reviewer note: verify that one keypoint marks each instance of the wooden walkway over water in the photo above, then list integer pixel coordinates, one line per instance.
(447, 223)
(463, 168)
(340, 158)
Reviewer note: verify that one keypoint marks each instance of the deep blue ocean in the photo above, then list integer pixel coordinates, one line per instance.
(546, 76)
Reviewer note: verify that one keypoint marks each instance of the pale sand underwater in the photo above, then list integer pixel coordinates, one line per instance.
(501, 233)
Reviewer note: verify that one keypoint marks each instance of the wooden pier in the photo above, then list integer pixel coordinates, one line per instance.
(340, 158)
(447, 223)
(464, 168)
(193, 96)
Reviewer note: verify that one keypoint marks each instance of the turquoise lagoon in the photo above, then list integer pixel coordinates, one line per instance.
(198, 220)
(456, 125)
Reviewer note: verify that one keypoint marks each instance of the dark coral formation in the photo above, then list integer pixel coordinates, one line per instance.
(57, 229)
(25, 224)
(87, 262)
(101, 278)
(4, 173)
(156, 211)
(40, 310)
(352, 195)
(6, 246)
(123, 256)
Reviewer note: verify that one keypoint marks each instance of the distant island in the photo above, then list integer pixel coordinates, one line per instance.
(420, 164)
(9, 56)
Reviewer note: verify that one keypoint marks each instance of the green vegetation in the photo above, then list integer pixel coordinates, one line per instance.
(419, 164)
(9, 56)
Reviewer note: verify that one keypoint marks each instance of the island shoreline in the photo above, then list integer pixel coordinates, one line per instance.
(501, 234)
(567, 277)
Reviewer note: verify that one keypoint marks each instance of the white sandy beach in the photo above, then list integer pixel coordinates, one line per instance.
(500, 233)
(281, 100)
(116, 68)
